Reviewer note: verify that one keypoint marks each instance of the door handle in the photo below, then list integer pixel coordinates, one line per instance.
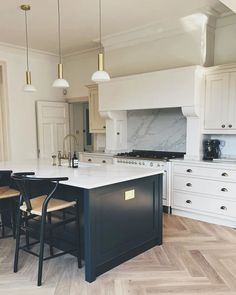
(188, 202)
(189, 184)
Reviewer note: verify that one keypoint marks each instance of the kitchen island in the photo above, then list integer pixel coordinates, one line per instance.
(121, 206)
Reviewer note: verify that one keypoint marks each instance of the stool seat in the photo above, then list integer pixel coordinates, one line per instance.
(7, 192)
(53, 205)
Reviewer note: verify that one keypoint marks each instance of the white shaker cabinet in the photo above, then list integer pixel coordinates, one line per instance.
(96, 122)
(220, 103)
(205, 191)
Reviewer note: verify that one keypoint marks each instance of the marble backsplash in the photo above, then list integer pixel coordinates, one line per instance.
(157, 129)
(227, 145)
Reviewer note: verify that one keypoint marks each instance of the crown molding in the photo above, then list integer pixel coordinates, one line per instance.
(17, 48)
(81, 52)
(155, 31)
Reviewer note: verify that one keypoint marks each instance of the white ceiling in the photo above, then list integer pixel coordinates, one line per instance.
(80, 19)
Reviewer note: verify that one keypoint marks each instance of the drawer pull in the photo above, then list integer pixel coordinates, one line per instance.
(188, 202)
(224, 174)
(189, 184)
(104, 161)
(89, 160)
(223, 126)
(224, 189)
(230, 125)
(189, 170)
(223, 208)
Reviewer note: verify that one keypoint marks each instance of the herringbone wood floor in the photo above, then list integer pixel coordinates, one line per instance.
(196, 258)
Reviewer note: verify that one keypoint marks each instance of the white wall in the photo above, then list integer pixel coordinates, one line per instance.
(225, 40)
(22, 119)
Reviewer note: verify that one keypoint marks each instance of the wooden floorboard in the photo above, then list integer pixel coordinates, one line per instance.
(195, 258)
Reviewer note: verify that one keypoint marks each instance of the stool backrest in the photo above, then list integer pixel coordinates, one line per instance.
(5, 177)
(24, 180)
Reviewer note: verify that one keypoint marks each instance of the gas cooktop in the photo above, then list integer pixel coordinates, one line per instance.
(157, 155)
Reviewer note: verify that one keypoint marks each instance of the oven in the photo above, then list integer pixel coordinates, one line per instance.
(156, 160)
(154, 164)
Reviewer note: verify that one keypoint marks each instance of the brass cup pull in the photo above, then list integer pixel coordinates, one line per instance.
(89, 160)
(223, 125)
(224, 189)
(224, 174)
(188, 202)
(223, 208)
(189, 170)
(189, 184)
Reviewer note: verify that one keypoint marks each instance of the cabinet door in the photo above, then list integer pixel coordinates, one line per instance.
(217, 101)
(232, 102)
(97, 123)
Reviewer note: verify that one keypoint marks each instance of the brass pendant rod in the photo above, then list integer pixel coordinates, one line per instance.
(100, 25)
(59, 30)
(27, 41)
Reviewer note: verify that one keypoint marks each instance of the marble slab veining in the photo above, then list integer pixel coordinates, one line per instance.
(157, 129)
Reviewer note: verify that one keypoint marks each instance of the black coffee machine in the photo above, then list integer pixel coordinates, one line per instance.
(211, 149)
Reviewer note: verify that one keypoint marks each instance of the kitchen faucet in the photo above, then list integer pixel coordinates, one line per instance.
(65, 156)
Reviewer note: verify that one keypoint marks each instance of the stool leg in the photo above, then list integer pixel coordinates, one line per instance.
(13, 210)
(18, 232)
(26, 231)
(50, 233)
(41, 249)
(2, 225)
(78, 235)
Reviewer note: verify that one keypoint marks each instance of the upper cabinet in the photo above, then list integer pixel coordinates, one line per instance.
(220, 102)
(96, 122)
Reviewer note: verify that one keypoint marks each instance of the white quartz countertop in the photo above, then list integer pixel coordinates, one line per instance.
(87, 176)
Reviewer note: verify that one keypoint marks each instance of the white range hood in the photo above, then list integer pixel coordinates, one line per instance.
(181, 87)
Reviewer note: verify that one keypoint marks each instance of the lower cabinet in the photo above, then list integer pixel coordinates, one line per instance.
(205, 191)
(96, 158)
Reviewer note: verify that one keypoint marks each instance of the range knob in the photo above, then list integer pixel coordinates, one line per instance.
(143, 163)
(140, 163)
(151, 164)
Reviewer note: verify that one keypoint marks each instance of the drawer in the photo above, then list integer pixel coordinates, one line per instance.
(205, 172)
(95, 159)
(205, 186)
(192, 202)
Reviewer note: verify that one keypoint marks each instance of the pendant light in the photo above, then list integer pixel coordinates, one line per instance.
(100, 75)
(28, 86)
(60, 82)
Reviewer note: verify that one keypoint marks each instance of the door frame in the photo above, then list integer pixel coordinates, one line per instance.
(4, 116)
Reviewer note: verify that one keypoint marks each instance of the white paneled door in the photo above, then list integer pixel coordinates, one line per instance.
(53, 126)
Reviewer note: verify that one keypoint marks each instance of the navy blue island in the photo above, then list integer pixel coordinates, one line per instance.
(121, 209)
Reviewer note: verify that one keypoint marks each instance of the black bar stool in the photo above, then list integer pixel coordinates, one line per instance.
(8, 197)
(40, 209)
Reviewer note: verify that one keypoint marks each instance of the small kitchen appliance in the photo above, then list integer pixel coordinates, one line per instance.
(211, 149)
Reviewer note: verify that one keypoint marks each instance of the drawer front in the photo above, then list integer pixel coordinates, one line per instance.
(205, 186)
(192, 202)
(220, 173)
(95, 159)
